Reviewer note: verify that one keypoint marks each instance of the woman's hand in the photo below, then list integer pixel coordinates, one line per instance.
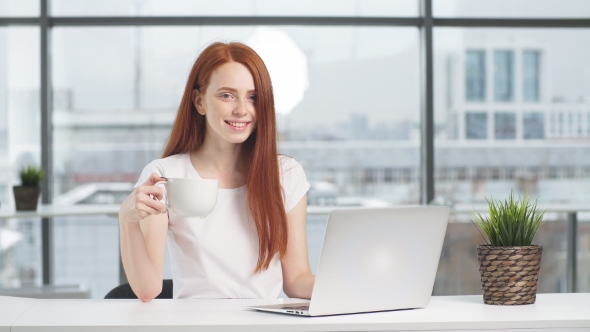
(142, 203)
(143, 228)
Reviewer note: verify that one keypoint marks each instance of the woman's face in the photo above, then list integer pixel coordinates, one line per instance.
(228, 103)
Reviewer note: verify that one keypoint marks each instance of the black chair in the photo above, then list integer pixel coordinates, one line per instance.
(124, 291)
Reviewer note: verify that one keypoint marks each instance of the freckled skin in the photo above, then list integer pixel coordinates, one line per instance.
(230, 97)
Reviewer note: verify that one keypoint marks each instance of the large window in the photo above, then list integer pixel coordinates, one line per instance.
(20, 248)
(117, 90)
(511, 112)
(536, 132)
(117, 93)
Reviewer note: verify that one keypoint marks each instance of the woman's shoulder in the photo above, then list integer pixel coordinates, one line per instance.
(172, 166)
(173, 160)
(168, 164)
(293, 181)
(288, 164)
(290, 170)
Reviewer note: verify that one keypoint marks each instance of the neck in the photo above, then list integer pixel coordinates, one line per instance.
(220, 160)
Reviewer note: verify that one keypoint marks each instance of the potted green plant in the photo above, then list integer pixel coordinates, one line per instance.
(509, 262)
(27, 194)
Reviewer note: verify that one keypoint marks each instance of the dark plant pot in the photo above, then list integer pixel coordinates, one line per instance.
(509, 274)
(26, 197)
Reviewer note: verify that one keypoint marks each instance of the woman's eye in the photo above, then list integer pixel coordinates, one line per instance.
(225, 95)
(252, 97)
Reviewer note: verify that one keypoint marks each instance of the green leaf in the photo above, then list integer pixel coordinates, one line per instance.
(31, 176)
(512, 222)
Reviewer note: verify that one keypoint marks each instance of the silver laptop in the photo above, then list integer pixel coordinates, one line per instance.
(375, 259)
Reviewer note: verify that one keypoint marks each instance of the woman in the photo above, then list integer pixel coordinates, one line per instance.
(254, 241)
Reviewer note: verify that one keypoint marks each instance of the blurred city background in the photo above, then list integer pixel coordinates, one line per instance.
(511, 111)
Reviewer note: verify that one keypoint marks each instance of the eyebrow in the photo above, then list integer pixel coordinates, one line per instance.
(232, 89)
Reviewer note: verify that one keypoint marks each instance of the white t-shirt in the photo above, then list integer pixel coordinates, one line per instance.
(215, 257)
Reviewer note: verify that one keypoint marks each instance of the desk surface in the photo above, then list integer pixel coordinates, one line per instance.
(552, 312)
(11, 308)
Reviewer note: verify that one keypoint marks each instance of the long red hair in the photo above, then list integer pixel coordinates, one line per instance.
(265, 201)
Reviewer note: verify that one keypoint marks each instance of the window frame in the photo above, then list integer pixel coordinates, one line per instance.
(425, 22)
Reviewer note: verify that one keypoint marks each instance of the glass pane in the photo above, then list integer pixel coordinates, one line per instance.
(535, 138)
(20, 247)
(22, 8)
(352, 120)
(505, 125)
(86, 253)
(475, 75)
(533, 125)
(531, 72)
(511, 8)
(476, 125)
(458, 269)
(503, 75)
(353, 8)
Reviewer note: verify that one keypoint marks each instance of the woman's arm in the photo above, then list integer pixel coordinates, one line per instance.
(143, 225)
(297, 278)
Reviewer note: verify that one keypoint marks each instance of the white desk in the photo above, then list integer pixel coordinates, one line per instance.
(551, 313)
(11, 308)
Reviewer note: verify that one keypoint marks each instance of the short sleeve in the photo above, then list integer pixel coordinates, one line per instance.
(153, 167)
(293, 181)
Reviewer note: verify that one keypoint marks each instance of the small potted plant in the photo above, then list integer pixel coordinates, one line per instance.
(509, 263)
(27, 194)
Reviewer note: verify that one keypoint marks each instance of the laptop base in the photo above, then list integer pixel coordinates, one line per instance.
(299, 309)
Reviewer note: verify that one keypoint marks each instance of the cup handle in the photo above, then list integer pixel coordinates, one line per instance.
(165, 185)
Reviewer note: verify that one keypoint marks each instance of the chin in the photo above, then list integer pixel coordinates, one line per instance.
(238, 140)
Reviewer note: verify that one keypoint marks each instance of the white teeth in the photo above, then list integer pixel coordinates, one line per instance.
(237, 124)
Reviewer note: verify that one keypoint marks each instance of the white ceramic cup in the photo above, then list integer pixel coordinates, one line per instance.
(191, 197)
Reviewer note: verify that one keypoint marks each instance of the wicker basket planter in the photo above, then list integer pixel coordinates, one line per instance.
(509, 274)
(26, 197)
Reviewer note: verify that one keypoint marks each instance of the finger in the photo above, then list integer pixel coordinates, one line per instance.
(143, 215)
(153, 204)
(153, 179)
(150, 190)
(145, 210)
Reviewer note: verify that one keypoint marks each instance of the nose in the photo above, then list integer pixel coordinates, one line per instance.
(240, 108)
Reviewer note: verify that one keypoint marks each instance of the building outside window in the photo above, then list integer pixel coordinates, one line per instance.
(476, 125)
(505, 125)
(503, 75)
(475, 75)
(533, 125)
(531, 75)
(560, 123)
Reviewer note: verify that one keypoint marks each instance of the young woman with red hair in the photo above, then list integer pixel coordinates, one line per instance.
(254, 242)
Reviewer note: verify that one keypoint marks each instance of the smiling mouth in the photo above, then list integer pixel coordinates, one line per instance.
(237, 124)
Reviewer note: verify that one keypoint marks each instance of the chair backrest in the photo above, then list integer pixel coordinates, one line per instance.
(124, 291)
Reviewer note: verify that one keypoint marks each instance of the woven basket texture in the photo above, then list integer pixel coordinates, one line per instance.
(509, 274)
